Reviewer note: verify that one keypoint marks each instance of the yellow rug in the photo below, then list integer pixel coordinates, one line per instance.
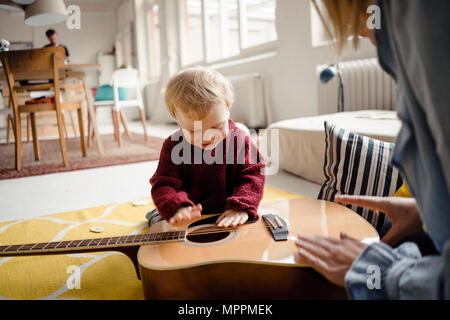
(103, 275)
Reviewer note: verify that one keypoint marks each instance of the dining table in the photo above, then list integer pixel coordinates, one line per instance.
(72, 70)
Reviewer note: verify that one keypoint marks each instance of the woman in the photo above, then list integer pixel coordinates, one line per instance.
(413, 47)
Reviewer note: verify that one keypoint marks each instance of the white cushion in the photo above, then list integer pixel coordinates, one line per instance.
(302, 140)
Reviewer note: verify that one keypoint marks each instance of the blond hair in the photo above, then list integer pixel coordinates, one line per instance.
(345, 20)
(195, 91)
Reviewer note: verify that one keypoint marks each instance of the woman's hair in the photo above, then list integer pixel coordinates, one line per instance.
(196, 90)
(341, 19)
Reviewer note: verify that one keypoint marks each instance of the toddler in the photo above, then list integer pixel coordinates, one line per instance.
(209, 165)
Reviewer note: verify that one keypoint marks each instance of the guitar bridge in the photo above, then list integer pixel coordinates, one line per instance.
(277, 226)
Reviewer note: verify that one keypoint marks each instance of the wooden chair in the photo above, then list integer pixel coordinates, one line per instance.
(38, 64)
(72, 90)
(24, 96)
(8, 111)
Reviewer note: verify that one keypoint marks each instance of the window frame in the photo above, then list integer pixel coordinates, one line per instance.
(244, 51)
(124, 40)
(148, 7)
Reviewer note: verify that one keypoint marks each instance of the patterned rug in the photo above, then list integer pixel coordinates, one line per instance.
(135, 150)
(104, 275)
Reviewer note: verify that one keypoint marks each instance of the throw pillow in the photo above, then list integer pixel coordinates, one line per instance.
(358, 165)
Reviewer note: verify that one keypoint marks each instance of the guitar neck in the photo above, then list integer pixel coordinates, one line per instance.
(88, 245)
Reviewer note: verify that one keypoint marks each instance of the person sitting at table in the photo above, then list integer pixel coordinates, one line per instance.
(53, 38)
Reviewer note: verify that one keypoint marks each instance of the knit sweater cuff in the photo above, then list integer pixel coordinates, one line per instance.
(235, 204)
(171, 206)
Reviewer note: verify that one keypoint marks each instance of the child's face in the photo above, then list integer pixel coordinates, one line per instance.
(210, 131)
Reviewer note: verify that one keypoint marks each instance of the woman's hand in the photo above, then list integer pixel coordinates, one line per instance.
(334, 257)
(186, 214)
(329, 256)
(402, 212)
(232, 218)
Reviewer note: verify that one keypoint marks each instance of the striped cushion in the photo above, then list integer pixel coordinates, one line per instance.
(358, 165)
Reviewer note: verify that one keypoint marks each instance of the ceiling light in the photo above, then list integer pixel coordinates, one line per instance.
(10, 6)
(24, 2)
(45, 13)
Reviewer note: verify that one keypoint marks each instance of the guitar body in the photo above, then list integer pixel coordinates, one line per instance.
(247, 263)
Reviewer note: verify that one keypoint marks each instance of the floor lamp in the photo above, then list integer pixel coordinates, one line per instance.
(326, 75)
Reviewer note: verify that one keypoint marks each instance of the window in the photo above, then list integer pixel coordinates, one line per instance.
(212, 30)
(192, 30)
(232, 39)
(221, 29)
(319, 36)
(154, 42)
(258, 22)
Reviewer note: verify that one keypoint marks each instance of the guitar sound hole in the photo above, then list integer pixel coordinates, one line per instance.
(204, 235)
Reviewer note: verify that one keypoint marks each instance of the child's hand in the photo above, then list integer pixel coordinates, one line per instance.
(233, 218)
(185, 214)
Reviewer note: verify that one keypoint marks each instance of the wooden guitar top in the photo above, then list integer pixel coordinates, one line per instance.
(253, 242)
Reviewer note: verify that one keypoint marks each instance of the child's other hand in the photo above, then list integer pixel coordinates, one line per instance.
(186, 214)
(232, 218)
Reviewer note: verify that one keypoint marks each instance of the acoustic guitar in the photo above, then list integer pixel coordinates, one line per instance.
(199, 260)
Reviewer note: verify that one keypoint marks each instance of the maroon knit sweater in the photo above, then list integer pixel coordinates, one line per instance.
(219, 179)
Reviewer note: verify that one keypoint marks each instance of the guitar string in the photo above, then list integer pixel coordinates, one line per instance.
(209, 230)
(214, 228)
(231, 228)
(202, 231)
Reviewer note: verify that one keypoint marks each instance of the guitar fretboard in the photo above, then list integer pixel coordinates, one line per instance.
(93, 243)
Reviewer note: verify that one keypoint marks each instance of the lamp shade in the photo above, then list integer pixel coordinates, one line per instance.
(24, 2)
(45, 13)
(10, 6)
(327, 74)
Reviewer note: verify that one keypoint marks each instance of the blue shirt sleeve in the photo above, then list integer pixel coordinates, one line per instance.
(381, 272)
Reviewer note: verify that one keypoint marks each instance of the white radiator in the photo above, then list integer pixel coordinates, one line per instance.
(251, 103)
(366, 86)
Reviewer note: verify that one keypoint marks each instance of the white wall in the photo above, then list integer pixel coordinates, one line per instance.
(97, 33)
(13, 27)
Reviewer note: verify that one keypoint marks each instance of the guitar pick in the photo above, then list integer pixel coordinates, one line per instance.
(96, 229)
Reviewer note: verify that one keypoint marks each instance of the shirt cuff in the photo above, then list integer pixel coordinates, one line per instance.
(373, 274)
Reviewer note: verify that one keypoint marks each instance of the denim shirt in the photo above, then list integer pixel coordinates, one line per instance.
(414, 48)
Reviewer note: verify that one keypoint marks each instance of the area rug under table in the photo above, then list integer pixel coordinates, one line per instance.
(134, 150)
(104, 275)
